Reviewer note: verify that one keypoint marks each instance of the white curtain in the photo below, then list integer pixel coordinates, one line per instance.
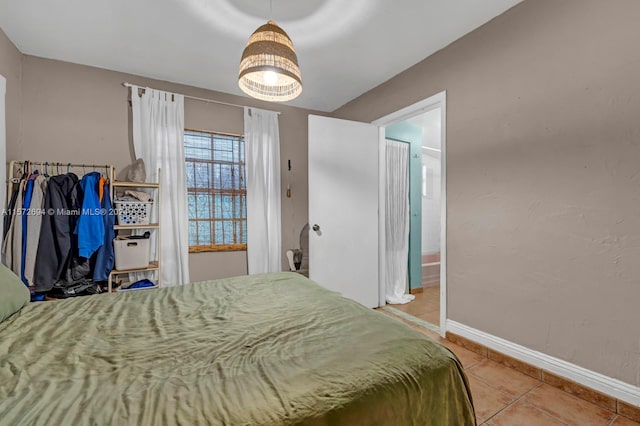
(262, 152)
(158, 138)
(397, 222)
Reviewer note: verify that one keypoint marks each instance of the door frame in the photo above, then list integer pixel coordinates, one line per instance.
(3, 141)
(439, 100)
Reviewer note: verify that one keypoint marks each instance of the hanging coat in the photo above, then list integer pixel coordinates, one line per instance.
(54, 257)
(90, 225)
(105, 255)
(34, 225)
(28, 192)
(12, 245)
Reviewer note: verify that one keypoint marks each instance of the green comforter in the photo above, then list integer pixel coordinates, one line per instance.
(271, 349)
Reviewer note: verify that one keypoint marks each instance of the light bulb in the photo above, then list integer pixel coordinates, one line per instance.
(270, 78)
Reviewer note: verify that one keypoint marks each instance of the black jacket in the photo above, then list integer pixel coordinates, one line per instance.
(56, 259)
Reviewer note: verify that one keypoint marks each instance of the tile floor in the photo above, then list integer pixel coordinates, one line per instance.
(425, 306)
(503, 396)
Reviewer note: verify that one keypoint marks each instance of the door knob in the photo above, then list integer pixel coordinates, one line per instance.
(316, 228)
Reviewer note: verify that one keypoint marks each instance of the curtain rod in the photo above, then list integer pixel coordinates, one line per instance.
(125, 84)
(54, 166)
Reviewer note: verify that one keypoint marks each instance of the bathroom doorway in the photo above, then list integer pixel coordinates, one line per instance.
(423, 126)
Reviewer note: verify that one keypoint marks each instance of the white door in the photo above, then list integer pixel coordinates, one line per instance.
(343, 207)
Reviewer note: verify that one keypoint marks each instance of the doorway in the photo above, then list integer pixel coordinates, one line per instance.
(423, 125)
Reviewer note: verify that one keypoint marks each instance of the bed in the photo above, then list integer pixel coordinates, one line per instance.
(272, 349)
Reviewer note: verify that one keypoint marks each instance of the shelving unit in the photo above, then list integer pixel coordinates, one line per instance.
(154, 265)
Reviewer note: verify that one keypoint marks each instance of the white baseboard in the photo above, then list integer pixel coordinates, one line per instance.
(599, 382)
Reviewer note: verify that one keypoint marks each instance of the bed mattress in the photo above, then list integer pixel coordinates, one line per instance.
(273, 349)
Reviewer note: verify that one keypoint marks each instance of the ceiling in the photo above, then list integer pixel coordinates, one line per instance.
(345, 47)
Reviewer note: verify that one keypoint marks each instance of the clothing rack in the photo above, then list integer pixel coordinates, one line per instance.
(17, 170)
(43, 252)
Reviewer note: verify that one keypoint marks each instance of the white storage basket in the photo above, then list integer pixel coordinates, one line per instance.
(133, 212)
(131, 253)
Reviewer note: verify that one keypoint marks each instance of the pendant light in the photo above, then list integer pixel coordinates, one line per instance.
(269, 66)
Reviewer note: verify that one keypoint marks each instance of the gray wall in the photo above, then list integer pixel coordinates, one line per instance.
(11, 69)
(543, 174)
(75, 113)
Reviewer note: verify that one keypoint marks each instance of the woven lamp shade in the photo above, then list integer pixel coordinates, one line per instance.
(269, 66)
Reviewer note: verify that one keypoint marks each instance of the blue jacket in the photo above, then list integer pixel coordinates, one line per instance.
(27, 202)
(90, 226)
(105, 256)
